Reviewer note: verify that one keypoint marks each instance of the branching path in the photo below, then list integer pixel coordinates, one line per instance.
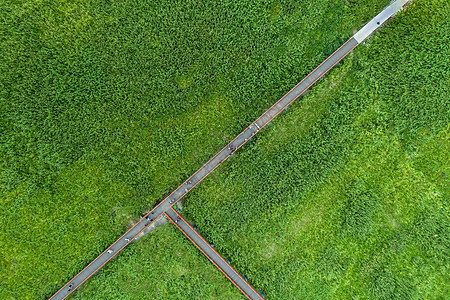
(212, 255)
(166, 205)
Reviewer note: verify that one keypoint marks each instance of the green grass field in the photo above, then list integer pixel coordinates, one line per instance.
(162, 265)
(106, 107)
(346, 195)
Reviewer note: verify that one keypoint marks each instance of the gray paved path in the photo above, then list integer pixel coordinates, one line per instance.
(223, 154)
(212, 255)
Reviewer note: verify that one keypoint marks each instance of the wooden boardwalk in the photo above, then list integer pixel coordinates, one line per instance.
(212, 255)
(166, 205)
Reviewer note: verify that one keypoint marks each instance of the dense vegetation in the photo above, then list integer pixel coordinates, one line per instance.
(106, 106)
(346, 196)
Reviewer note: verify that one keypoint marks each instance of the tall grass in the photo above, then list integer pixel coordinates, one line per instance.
(346, 195)
(106, 106)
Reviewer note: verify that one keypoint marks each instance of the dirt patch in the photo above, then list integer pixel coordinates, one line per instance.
(179, 205)
(131, 222)
(270, 251)
(161, 220)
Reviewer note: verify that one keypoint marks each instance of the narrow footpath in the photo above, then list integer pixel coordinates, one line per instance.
(228, 150)
(212, 255)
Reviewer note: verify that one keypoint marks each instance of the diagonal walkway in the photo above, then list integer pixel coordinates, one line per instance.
(223, 154)
(212, 255)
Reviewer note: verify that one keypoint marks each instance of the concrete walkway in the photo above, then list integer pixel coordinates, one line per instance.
(212, 255)
(223, 154)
